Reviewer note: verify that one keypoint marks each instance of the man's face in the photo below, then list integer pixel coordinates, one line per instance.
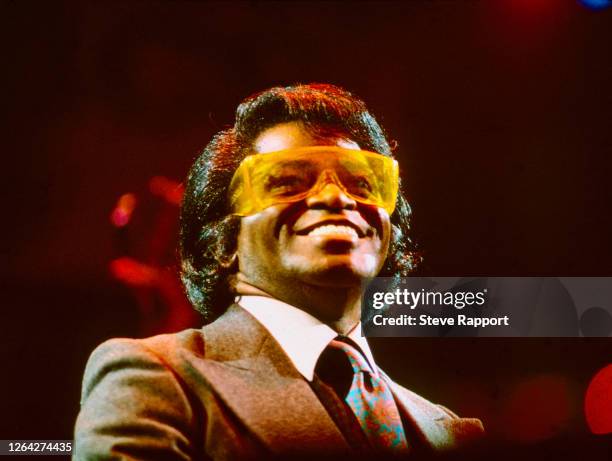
(327, 239)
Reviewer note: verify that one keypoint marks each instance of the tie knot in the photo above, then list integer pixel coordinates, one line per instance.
(356, 358)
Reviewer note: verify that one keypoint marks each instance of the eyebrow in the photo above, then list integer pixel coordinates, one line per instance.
(295, 163)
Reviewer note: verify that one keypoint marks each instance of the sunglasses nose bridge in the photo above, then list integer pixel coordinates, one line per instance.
(321, 195)
(326, 176)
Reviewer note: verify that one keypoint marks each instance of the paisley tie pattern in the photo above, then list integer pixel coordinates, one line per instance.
(372, 402)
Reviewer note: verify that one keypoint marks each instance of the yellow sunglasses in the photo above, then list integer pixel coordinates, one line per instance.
(291, 175)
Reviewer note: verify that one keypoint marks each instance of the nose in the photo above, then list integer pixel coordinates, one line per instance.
(330, 196)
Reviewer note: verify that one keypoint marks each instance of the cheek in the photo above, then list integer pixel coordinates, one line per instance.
(256, 238)
(243, 245)
(247, 240)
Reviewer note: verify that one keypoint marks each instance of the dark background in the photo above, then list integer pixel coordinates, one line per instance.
(502, 111)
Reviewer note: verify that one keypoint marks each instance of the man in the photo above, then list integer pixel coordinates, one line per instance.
(285, 216)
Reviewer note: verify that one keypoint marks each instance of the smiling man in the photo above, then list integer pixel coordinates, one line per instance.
(285, 216)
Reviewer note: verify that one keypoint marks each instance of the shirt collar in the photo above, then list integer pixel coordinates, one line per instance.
(302, 336)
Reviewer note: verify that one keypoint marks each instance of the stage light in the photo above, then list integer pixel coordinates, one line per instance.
(133, 272)
(122, 212)
(598, 402)
(171, 191)
(538, 408)
(596, 4)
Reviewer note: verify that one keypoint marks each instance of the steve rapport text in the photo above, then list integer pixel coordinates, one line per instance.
(430, 320)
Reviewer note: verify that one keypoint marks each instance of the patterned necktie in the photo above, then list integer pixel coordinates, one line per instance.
(372, 402)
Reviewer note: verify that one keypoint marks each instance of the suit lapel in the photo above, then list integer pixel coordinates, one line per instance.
(253, 376)
(438, 429)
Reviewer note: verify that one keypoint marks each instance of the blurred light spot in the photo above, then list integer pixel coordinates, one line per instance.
(123, 210)
(596, 322)
(598, 402)
(132, 272)
(596, 4)
(169, 190)
(538, 408)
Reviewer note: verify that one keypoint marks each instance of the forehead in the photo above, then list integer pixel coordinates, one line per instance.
(292, 135)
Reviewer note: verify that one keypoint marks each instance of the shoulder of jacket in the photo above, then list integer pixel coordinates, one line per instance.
(155, 348)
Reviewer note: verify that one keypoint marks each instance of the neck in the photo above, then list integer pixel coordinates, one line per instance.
(337, 307)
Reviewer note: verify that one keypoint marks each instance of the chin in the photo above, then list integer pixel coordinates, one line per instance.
(339, 272)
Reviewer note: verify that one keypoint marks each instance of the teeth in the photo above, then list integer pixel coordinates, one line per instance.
(333, 229)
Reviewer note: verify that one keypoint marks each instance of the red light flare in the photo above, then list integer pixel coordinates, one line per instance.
(133, 273)
(122, 212)
(537, 409)
(598, 402)
(170, 191)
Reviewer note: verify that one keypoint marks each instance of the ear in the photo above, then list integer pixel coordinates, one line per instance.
(227, 261)
(224, 247)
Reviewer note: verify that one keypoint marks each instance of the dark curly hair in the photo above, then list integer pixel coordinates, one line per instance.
(208, 234)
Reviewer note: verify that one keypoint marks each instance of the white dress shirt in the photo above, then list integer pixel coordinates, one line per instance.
(300, 335)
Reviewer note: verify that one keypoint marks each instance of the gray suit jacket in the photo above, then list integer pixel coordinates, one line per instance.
(227, 391)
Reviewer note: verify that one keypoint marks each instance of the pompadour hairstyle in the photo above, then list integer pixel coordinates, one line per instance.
(208, 233)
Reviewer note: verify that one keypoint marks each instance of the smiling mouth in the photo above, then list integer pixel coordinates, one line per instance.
(342, 228)
(335, 230)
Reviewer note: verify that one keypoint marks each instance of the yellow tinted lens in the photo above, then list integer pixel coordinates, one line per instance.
(290, 175)
(286, 177)
(359, 179)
